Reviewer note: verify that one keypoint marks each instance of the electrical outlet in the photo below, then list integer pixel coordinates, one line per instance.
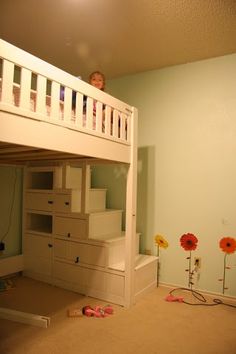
(197, 262)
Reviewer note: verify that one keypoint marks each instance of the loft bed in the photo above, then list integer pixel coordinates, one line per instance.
(39, 127)
(32, 112)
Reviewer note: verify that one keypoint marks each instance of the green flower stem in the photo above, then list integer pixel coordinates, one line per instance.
(158, 264)
(224, 273)
(190, 270)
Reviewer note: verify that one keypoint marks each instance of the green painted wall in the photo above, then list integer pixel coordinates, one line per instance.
(11, 210)
(186, 167)
(113, 178)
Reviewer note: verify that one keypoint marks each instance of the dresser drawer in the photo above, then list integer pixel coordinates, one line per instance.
(69, 276)
(80, 253)
(39, 201)
(68, 202)
(38, 246)
(87, 254)
(38, 257)
(70, 227)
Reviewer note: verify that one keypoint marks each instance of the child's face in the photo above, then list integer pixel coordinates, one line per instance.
(97, 81)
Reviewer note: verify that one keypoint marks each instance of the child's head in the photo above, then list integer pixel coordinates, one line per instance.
(97, 79)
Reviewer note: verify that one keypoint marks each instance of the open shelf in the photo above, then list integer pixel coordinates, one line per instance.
(39, 223)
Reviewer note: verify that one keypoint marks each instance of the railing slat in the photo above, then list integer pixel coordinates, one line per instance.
(7, 81)
(79, 110)
(115, 123)
(122, 126)
(25, 85)
(99, 116)
(128, 128)
(41, 95)
(55, 104)
(67, 104)
(108, 120)
(89, 113)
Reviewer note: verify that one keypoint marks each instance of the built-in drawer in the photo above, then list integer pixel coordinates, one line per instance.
(38, 246)
(80, 253)
(70, 227)
(68, 202)
(38, 257)
(69, 276)
(39, 201)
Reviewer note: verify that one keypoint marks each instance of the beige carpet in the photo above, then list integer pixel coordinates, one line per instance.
(153, 325)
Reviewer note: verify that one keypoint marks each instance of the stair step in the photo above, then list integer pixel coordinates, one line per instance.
(111, 238)
(143, 259)
(97, 199)
(103, 223)
(116, 245)
(140, 261)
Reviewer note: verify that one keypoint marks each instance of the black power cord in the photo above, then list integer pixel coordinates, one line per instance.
(202, 300)
(10, 213)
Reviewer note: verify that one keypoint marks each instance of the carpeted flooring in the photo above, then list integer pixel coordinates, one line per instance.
(152, 326)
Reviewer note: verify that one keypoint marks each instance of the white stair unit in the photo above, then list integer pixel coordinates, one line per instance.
(73, 241)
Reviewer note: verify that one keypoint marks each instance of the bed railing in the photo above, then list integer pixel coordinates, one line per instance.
(32, 88)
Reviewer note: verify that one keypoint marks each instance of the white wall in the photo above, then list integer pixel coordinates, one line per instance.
(187, 163)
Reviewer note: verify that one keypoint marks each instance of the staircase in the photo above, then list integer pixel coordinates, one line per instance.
(73, 241)
(105, 226)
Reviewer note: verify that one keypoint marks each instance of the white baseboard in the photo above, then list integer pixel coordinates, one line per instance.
(23, 317)
(145, 291)
(11, 265)
(204, 292)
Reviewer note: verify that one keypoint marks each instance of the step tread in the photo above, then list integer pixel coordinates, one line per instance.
(105, 211)
(110, 237)
(98, 189)
(140, 261)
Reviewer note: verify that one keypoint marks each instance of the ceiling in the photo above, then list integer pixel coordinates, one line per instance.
(119, 37)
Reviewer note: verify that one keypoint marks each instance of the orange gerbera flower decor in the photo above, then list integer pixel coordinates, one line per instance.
(228, 246)
(189, 243)
(160, 242)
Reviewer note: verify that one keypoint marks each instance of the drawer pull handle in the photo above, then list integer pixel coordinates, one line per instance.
(50, 201)
(68, 235)
(50, 245)
(67, 203)
(77, 260)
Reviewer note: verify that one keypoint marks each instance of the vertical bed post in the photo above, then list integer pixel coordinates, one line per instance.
(131, 198)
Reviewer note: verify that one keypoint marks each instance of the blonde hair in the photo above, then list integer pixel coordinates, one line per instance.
(98, 73)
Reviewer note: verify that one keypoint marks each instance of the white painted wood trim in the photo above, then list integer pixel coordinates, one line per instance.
(131, 201)
(23, 317)
(68, 140)
(40, 107)
(25, 88)
(11, 265)
(7, 81)
(145, 291)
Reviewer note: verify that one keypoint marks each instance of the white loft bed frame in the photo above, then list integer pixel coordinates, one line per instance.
(36, 126)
